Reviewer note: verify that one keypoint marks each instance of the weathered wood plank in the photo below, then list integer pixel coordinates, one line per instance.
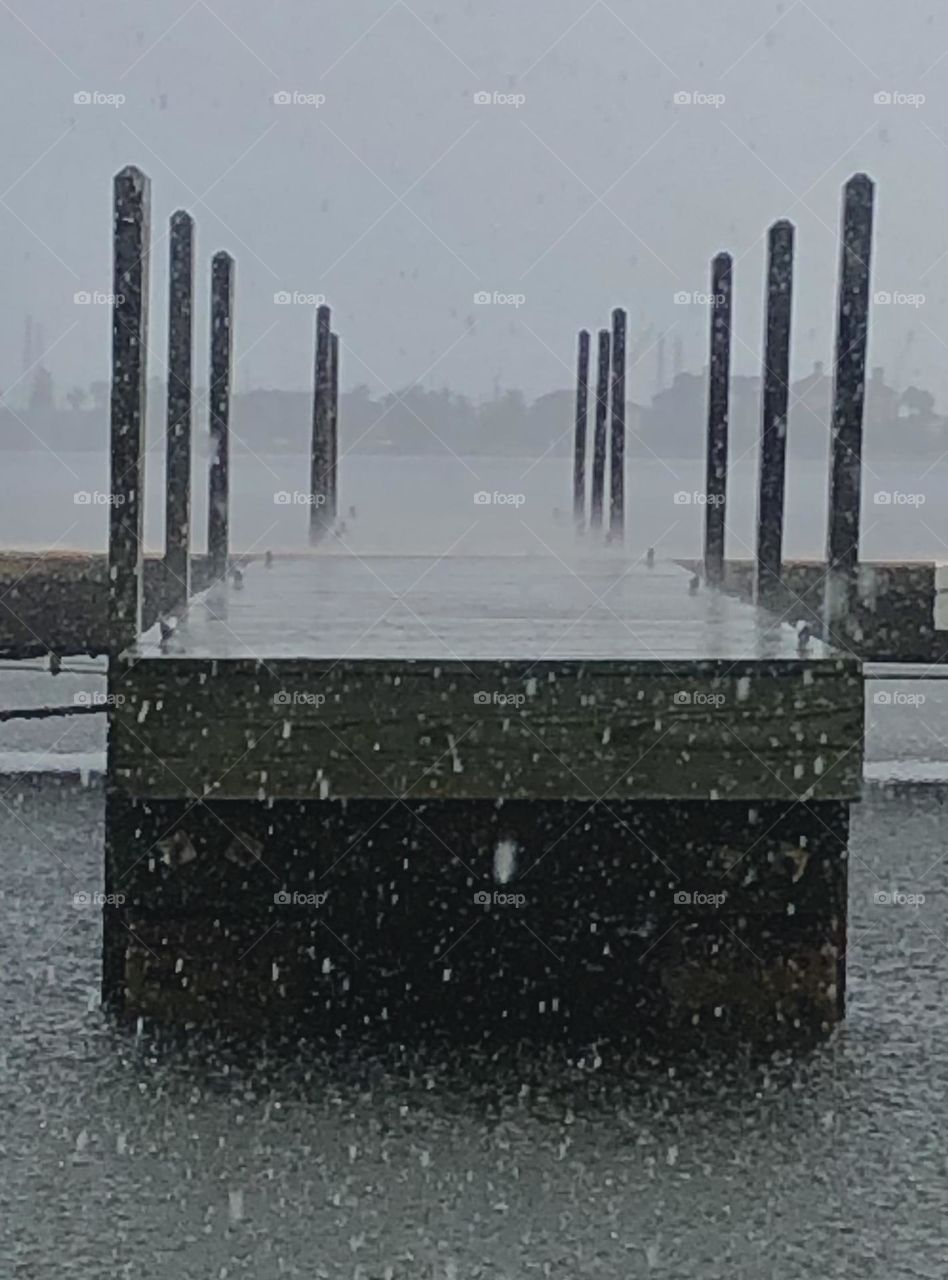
(318, 729)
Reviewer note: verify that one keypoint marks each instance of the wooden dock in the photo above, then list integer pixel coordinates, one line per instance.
(577, 795)
(511, 789)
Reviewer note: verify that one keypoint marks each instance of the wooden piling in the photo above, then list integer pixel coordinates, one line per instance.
(579, 438)
(617, 454)
(334, 425)
(178, 435)
(599, 438)
(222, 325)
(131, 237)
(718, 393)
(321, 448)
(771, 488)
(845, 486)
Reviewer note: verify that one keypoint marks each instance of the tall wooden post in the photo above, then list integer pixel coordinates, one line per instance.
(845, 487)
(719, 374)
(131, 236)
(617, 454)
(771, 487)
(222, 328)
(321, 449)
(599, 438)
(334, 432)
(579, 439)
(178, 436)
(131, 229)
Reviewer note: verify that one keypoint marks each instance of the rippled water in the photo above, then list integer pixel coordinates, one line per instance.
(121, 1157)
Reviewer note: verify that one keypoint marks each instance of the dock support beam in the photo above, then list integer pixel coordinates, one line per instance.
(599, 438)
(334, 433)
(849, 380)
(178, 436)
(131, 239)
(222, 325)
(617, 454)
(321, 450)
(131, 236)
(719, 373)
(771, 489)
(579, 438)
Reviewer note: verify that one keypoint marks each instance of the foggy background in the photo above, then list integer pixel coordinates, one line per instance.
(400, 196)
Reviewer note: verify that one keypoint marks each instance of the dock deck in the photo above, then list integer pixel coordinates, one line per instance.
(461, 608)
(344, 677)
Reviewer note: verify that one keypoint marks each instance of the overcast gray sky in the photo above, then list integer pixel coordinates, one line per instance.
(400, 196)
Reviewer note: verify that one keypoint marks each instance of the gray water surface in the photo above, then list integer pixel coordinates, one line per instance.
(122, 1157)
